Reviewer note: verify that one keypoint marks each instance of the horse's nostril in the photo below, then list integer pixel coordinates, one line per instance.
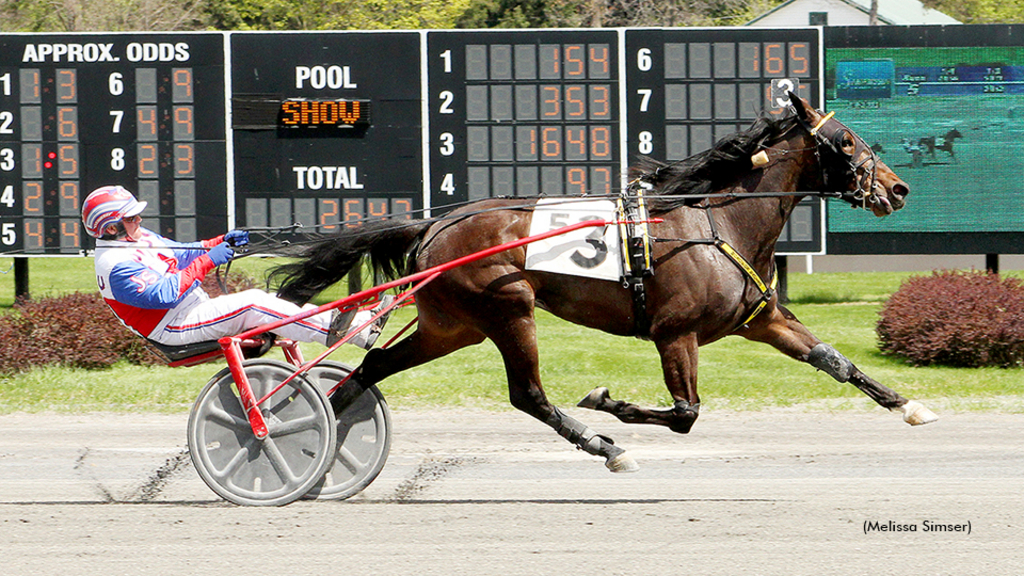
(901, 190)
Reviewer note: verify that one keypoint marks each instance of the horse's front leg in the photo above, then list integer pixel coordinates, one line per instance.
(780, 328)
(679, 366)
(518, 346)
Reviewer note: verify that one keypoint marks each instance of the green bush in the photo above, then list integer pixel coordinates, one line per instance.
(955, 318)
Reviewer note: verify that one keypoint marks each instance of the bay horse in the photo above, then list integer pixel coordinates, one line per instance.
(740, 194)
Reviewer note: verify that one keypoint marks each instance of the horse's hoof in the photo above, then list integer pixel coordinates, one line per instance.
(622, 463)
(915, 414)
(595, 398)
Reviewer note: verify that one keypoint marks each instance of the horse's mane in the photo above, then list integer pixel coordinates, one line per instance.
(708, 171)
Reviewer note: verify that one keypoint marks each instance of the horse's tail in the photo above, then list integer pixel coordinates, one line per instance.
(327, 261)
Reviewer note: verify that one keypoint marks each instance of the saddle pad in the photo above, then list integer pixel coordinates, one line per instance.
(588, 252)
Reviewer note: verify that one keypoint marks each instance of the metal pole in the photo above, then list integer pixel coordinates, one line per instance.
(992, 263)
(782, 269)
(21, 278)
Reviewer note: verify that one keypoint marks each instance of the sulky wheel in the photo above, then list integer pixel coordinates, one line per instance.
(278, 469)
(364, 438)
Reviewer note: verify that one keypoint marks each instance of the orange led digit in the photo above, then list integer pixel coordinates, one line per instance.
(353, 212)
(551, 143)
(34, 238)
(600, 143)
(329, 213)
(67, 160)
(577, 177)
(576, 142)
(799, 63)
(183, 127)
(148, 163)
(67, 123)
(183, 160)
(774, 59)
(69, 234)
(575, 67)
(575, 102)
(33, 198)
(599, 60)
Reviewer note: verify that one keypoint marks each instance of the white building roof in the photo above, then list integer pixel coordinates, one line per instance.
(852, 13)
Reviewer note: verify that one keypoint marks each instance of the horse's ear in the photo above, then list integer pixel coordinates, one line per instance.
(802, 107)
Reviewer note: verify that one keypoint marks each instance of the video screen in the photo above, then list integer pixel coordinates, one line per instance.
(946, 115)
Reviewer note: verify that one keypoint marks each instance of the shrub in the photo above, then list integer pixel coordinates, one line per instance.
(966, 319)
(78, 330)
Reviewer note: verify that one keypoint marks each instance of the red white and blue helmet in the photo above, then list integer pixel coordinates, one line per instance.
(108, 205)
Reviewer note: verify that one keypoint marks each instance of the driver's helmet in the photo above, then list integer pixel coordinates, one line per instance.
(106, 206)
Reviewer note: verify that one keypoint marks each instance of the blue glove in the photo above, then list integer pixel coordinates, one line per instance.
(237, 237)
(221, 254)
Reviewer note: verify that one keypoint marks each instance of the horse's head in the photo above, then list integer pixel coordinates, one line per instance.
(850, 167)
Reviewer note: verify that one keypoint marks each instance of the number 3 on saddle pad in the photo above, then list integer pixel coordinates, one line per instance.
(588, 252)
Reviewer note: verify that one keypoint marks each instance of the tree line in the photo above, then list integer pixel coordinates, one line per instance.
(145, 15)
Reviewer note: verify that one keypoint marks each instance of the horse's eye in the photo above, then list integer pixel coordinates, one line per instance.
(848, 144)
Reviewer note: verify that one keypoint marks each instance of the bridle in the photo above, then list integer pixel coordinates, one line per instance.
(829, 134)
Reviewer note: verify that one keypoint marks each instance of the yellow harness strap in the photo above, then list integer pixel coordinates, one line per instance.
(814, 131)
(766, 290)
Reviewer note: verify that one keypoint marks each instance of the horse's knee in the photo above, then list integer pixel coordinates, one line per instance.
(683, 416)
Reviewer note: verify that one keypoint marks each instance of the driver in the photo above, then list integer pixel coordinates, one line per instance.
(153, 284)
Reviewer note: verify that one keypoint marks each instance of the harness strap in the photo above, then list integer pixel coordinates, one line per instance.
(636, 253)
(767, 290)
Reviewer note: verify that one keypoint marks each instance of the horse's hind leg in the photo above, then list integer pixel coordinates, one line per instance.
(679, 365)
(780, 328)
(517, 343)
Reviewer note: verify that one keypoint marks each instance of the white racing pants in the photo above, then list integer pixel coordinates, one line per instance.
(232, 314)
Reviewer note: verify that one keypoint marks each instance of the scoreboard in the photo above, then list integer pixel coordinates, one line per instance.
(517, 114)
(326, 129)
(145, 111)
(686, 88)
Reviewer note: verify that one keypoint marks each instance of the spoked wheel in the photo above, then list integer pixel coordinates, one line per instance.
(364, 438)
(278, 469)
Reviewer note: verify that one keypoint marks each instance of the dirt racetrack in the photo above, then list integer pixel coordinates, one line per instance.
(778, 492)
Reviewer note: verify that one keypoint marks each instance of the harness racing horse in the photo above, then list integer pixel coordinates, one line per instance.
(737, 195)
(931, 144)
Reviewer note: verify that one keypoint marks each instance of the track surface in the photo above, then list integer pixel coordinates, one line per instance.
(464, 492)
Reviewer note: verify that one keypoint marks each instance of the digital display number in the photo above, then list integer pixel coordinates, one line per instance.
(324, 214)
(520, 115)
